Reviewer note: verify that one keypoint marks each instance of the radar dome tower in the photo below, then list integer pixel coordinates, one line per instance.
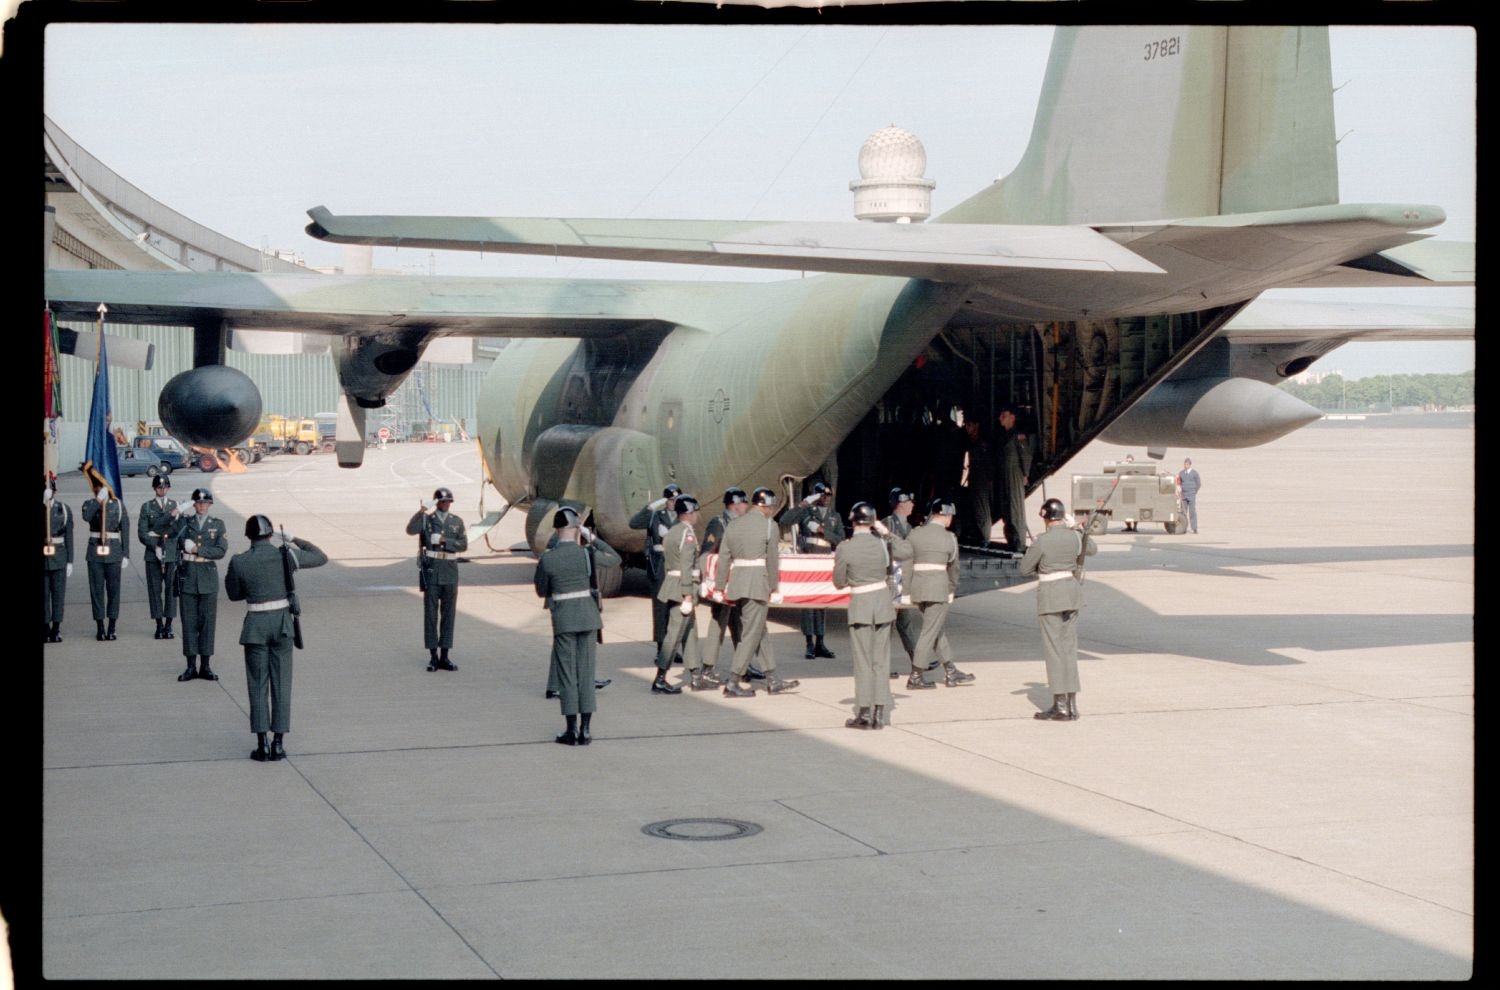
(891, 188)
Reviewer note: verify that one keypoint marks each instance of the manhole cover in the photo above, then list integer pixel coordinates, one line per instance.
(701, 829)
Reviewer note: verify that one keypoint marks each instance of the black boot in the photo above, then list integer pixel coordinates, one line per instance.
(110, 632)
(204, 672)
(916, 682)
(953, 677)
(432, 662)
(584, 738)
(56, 633)
(601, 685)
(819, 650)
(877, 717)
(660, 685)
(569, 737)
(775, 685)
(809, 654)
(703, 679)
(166, 629)
(100, 634)
(157, 634)
(1058, 712)
(277, 753)
(738, 687)
(191, 671)
(1072, 706)
(259, 754)
(860, 721)
(444, 663)
(549, 694)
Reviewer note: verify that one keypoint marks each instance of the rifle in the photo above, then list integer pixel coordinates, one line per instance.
(424, 562)
(594, 594)
(293, 605)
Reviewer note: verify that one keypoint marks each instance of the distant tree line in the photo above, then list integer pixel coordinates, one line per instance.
(1381, 393)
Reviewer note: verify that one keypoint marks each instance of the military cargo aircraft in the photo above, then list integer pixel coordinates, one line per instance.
(1107, 286)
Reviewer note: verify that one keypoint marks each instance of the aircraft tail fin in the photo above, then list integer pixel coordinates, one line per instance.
(1150, 122)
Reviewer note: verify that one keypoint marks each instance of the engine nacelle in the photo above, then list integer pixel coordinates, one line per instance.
(213, 406)
(1211, 413)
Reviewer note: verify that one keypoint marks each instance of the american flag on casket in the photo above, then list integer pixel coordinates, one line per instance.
(806, 581)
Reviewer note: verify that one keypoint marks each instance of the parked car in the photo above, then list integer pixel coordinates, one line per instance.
(141, 460)
(167, 449)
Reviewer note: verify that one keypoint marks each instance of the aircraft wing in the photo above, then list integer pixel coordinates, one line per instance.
(1288, 321)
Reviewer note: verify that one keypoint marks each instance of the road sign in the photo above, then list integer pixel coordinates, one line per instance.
(384, 433)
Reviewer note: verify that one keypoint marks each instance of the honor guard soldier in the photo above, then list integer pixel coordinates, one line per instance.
(657, 519)
(679, 592)
(199, 541)
(726, 618)
(862, 564)
(57, 559)
(933, 583)
(109, 553)
(819, 530)
(154, 525)
(899, 523)
(552, 682)
(443, 538)
(565, 581)
(748, 573)
(1056, 558)
(262, 577)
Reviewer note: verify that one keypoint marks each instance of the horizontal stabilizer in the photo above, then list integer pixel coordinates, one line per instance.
(1282, 321)
(124, 352)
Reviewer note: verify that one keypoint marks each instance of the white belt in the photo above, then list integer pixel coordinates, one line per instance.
(57, 539)
(818, 540)
(268, 606)
(860, 589)
(567, 595)
(107, 536)
(756, 562)
(656, 548)
(693, 572)
(440, 554)
(1055, 576)
(193, 558)
(929, 567)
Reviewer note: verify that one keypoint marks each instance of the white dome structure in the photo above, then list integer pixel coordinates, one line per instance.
(891, 188)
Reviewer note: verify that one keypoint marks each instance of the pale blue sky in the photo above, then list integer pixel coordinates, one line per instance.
(243, 127)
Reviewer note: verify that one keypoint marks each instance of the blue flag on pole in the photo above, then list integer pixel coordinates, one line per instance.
(100, 461)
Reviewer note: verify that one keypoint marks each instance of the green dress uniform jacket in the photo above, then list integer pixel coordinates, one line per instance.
(750, 539)
(932, 583)
(58, 519)
(861, 564)
(562, 581)
(657, 523)
(104, 572)
(153, 527)
(726, 617)
(443, 539)
(1059, 598)
(199, 579)
(907, 622)
(258, 576)
(679, 583)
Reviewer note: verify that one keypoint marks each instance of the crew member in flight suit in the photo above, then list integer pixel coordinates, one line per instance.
(258, 577)
(1015, 466)
(899, 523)
(679, 591)
(57, 559)
(656, 519)
(199, 542)
(1056, 558)
(934, 582)
(862, 564)
(443, 539)
(819, 530)
(748, 574)
(563, 580)
(153, 526)
(108, 553)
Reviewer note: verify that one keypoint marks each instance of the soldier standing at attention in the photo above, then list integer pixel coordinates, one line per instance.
(109, 553)
(899, 523)
(552, 683)
(154, 526)
(57, 559)
(443, 538)
(679, 592)
(934, 582)
(1188, 483)
(1015, 465)
(258, 577)
(1056, 558)
(861, 564)
(564, 580)
(657, 519)
(819, 530)
(725, 616)
(749, 575)
(198, 541)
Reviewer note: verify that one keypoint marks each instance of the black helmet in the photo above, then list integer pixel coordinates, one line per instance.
(763, 496)
(442, 495)
(863, 514)
(671, 491)
(204, 495)
(685, 503)
(1053, 509)
(819, 488)
(565, 518)
(899, 495)
(941, 507)
(735, 496)
(258, 527)
(161, 481)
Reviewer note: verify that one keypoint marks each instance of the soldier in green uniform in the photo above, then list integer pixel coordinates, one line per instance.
(862, 564)
(899, 523)
(199, 541)
(819, 530)
(443, 538)
(108, 554)
(564, 580)
(1056, 558)
(600, 683)
(1015, 465)
(748, 574)
(725, 616)
(679, 592)
(153, 527)
(657, 519)
(57, 559)
(258, 577)
(934, 581)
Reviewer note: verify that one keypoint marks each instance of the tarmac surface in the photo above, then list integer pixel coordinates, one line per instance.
(1273, 776)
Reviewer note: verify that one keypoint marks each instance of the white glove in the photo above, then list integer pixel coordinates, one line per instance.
(776, 598)
(46, 495)
(657, 504)
(174, 512)
(434, 538)
(809, 500)
(585, 534)
(157, 551)
(1068, 518)
(69, 571)
(814, 527)
(103, 495)
(879, 528)
(125, 563)
(662, 530)
(950, 598)
(190, 546)
(287, 539)
(686, 607)
(429, 506)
